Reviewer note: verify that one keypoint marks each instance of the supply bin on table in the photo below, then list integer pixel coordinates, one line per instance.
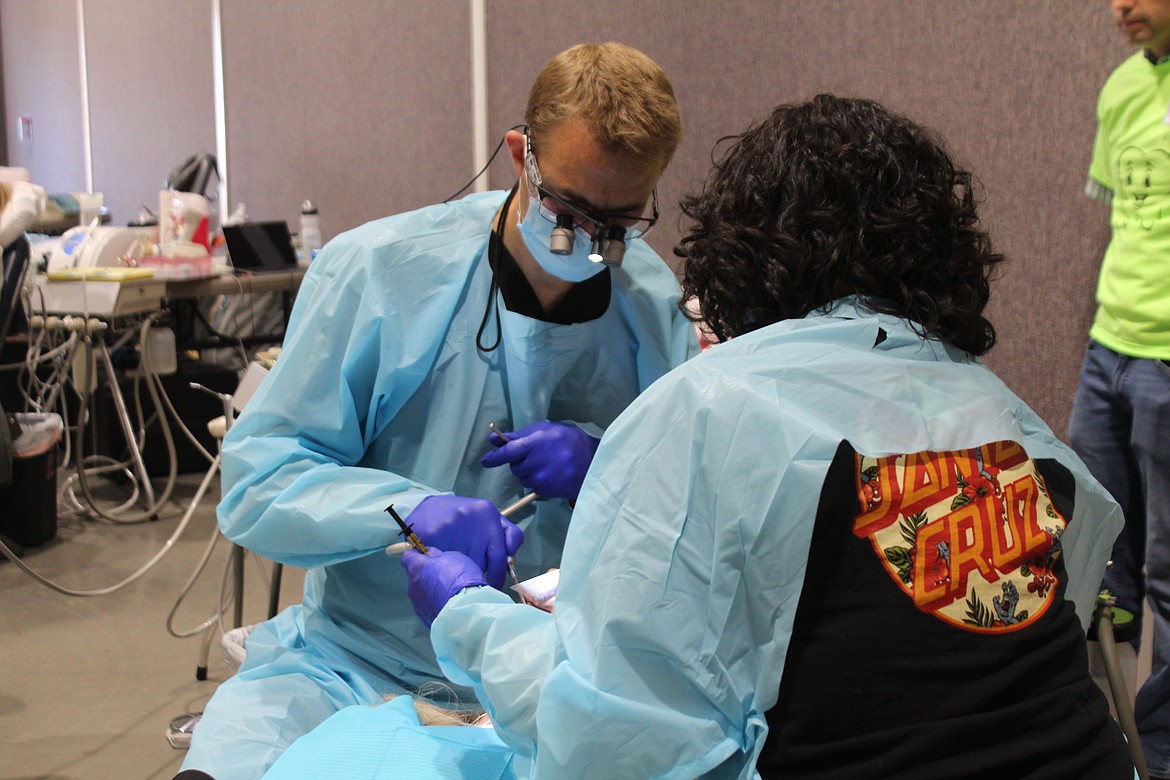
(28, 506)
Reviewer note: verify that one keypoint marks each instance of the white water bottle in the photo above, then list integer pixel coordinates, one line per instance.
(310, 231)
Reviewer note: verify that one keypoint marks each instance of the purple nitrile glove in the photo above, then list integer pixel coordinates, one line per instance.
(433, 579)
(471, 526)
(548, 458)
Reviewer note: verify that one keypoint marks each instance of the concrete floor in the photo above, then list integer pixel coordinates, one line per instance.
(89, 685)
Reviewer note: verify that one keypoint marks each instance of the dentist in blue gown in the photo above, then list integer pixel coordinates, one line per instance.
(540, 309)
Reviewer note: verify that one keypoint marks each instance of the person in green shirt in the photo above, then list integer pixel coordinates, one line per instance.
(1121, 416)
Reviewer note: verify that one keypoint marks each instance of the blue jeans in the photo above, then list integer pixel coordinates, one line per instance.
(1120, 426)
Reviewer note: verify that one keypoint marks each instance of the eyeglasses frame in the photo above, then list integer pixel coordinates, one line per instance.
(600, 221)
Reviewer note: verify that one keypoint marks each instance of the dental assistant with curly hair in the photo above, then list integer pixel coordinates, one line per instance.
(833, 546)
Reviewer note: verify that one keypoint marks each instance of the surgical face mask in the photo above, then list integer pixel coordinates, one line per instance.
(537, 231)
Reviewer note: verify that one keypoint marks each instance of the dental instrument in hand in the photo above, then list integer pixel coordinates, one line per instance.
(507, 512)
(519, 504)
(516, 505)
(412, 539)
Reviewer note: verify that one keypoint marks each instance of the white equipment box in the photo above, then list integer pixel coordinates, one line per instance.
(97, 298)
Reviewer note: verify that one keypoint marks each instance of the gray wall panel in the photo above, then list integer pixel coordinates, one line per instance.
(42, 80)
(1016, 106)
(151, 96)
(363, 106)
(3, 125)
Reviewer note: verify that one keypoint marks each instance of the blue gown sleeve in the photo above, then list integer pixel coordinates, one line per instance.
(362, 336)
(652, 663)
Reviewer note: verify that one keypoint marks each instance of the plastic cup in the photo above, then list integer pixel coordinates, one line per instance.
(90, 207)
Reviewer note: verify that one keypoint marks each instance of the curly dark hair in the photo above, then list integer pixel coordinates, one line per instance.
(836, 197)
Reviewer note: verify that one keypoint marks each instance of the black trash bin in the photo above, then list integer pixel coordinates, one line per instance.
(28, 506)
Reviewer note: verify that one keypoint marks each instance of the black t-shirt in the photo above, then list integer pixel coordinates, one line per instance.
(584, 301)
(912, 657)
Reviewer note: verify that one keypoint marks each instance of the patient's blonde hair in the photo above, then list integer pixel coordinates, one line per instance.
(431, 714)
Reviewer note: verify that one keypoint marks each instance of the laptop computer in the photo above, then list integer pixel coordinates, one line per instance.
(260, 246)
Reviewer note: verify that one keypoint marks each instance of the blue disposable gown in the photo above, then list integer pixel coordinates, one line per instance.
(381, 397)
(384, 742)
(688, 549)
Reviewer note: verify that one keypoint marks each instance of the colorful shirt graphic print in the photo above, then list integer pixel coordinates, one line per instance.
(970, 536)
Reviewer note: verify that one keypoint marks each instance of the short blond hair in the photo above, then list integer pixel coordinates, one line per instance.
(618, 90)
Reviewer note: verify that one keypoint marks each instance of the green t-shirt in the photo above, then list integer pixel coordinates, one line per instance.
(1131, 157)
